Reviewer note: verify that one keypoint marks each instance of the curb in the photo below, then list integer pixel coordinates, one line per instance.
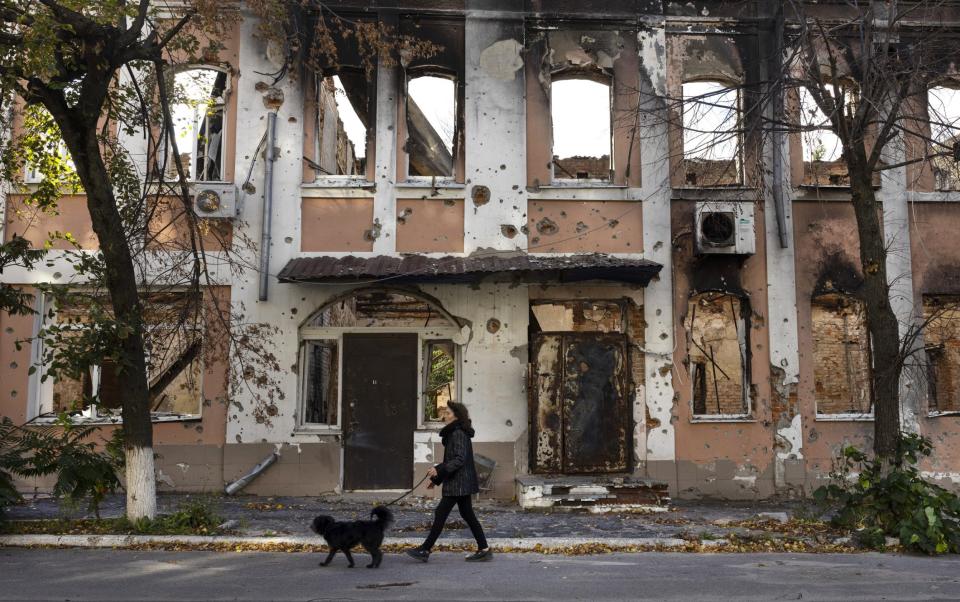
(532, 544)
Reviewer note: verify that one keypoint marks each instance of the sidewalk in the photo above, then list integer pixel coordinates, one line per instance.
(283, 523)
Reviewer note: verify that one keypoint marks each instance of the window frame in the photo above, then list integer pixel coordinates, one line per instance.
(743, 339)
(425, 344)
(41, 408)
(946, 84)
(340, 180)
(602, 78)
(224, 105)
(739, 151)
(840, 416)
(930, 366)
(453, 180)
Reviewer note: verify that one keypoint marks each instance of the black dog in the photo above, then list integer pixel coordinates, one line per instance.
(345, 535)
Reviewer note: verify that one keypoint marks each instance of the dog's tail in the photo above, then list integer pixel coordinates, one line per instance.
(383, 515)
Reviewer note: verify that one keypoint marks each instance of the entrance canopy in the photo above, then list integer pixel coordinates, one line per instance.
(519, 267)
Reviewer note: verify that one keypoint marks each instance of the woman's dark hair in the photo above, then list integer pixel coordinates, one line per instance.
(460, 411)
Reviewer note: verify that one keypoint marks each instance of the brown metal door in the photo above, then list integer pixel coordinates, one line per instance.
(596, 418)
(579, 404)
(379, 410)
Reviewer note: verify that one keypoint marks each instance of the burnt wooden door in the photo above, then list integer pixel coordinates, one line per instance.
(579, 403)
(379, 410)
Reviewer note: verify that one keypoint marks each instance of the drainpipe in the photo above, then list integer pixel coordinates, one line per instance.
(250, 476)
(777, 81)
(267, 204)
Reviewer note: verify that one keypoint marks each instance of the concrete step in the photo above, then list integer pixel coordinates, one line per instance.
(591, 492)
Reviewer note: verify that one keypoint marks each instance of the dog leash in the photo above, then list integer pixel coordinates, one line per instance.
(407, 493)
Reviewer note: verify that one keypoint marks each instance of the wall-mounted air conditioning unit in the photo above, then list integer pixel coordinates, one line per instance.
(215, 200)
(725, 227)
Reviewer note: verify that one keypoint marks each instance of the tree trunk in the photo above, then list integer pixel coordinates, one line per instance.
(121, 282)
(881, 320)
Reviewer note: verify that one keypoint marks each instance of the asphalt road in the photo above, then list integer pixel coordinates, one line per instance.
(107, 575)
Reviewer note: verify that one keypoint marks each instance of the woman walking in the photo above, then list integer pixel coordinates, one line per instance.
(458, 475)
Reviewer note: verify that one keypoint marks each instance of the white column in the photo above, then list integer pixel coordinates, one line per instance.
(658, 296)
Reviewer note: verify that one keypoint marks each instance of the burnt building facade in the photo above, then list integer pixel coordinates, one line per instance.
(545, 221)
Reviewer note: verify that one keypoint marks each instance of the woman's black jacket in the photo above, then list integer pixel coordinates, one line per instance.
(457, 472)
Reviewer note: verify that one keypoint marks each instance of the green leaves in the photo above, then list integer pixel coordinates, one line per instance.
(84, 471)
(892, 499)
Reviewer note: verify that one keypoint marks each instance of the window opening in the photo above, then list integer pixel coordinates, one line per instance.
(942, 344)
(717, 351)
(841, 355)
(711, 141)
(822, 150)
(439, 378)
(431, 125)
(944, 112)
(340, 139)
(580, 110)
(197, 110)
(322, 370)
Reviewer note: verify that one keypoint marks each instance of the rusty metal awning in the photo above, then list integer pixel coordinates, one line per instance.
(518, 267)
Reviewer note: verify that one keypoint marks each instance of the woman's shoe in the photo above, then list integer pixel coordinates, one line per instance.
(419, 553)
(480, 556)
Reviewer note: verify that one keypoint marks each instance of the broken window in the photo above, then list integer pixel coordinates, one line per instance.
(197, 109)
(93, 387)
(943, 105)
(823, 163)
(711, 139)
(340, 125)
(717, 349)
(578, 316)
(581, 114)
(439, 377)
(431, 126)
(322, 364)
(841, 355)
(942, 344)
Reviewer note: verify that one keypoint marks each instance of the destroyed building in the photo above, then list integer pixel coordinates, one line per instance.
(619, 294)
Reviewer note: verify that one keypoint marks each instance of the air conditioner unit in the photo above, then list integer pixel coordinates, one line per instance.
(725, 227)
(215, 200)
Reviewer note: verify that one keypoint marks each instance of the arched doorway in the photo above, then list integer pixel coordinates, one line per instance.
(363, 369)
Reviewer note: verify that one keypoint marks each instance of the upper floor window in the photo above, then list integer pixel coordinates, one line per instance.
(943, 107)
(431, 112)
(45, 151)
(823, 163)
(711, 137)
(198, 112)
(340, 125)
(580, 109)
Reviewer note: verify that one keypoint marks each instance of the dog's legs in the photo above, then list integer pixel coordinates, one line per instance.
(333, 552)
(346, 552)
(376, 556)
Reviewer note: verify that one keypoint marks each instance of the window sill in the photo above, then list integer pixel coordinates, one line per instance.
(567, 184)
(716, 188)
(317, 429)
(844, 418)
(430, 183)
(431, 427)
(344, 182)
(722, 418)
(935, 414)
(107, 420)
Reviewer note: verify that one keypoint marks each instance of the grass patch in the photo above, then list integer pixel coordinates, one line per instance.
(191, 518)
